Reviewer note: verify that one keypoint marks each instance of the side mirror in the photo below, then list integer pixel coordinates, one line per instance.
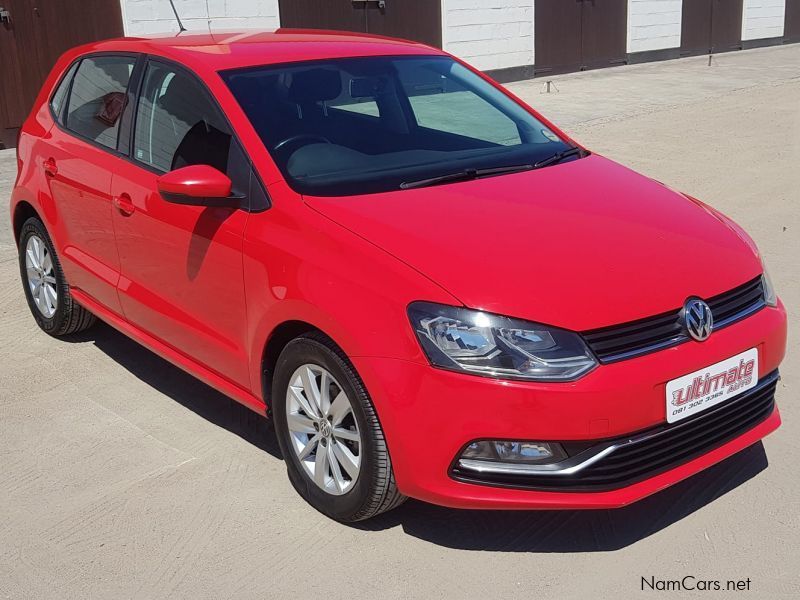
(198, 185)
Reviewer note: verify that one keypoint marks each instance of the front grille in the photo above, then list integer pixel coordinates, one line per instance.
(635, 338)
(651, 452)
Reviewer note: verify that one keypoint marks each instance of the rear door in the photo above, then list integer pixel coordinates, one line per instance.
(182, 280)
(78, 158)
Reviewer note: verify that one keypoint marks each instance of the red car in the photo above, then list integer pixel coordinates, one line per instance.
(431, 290)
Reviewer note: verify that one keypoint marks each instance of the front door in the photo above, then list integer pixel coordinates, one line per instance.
(181, 266)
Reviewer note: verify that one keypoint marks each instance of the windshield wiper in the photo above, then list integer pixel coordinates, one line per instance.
(558, 157)
(465, 175)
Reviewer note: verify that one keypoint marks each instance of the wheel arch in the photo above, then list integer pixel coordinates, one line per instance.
(23, 211)
(279, 337)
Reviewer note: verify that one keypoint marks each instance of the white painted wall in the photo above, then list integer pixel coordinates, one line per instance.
(156, 16)
(654, 24)
(489, 34)
(763, 19)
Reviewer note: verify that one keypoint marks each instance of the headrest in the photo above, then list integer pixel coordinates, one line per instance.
(315, 85)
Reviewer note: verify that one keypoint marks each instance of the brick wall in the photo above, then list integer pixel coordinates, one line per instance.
(156, 16)
(489, 34)
(763, 19)
(654, 24)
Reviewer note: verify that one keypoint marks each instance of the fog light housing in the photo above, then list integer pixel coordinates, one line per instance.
(514, 452)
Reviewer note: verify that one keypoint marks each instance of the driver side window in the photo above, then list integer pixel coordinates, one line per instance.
(177, 124)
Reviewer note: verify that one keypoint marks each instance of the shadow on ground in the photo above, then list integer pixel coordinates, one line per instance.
(573, 531)
(503, 531)
(183, 388)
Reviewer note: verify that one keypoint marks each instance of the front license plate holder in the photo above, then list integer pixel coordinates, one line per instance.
(695, 392)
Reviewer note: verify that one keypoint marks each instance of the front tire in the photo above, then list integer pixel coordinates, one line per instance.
(46, 288)
(329, 433)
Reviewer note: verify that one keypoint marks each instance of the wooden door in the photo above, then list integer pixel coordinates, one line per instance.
(696, 27)
(20, 71)
(38, 33)
(711, 26)
(418, 20)
(726, 25)
(341, 15)
(791, 32)
(557, 36)
(604, 33)
(575, 35)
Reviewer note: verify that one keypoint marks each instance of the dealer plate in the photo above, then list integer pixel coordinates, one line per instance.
(695, 392)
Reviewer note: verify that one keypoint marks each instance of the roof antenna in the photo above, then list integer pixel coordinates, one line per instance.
(177, 16)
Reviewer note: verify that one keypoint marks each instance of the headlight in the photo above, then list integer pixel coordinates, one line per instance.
(770, 297)
(493, 346)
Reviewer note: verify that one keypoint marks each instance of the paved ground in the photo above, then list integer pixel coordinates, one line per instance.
(120, 476)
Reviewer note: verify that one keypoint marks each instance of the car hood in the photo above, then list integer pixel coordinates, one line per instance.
(580, 245)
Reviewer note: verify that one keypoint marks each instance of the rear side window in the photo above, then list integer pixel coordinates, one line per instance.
(177, 124)
(98, 98)
(60, 95)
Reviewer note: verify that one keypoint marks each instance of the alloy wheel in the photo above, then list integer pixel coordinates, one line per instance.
(323, 430)
(41, 276)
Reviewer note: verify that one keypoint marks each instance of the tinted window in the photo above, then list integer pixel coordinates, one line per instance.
(60, 95)
(177, 124)
(98, 98)
(363, 125)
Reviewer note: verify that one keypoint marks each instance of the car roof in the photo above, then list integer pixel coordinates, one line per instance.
(222, 50)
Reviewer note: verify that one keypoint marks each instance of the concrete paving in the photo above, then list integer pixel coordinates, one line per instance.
(122, 477)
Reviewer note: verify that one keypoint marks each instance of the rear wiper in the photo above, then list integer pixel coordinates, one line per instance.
(465, 175)
(558, 157)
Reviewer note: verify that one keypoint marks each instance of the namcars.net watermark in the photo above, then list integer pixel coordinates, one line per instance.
(691, 583)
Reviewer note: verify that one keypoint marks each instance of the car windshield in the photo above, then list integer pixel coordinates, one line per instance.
(364, 125)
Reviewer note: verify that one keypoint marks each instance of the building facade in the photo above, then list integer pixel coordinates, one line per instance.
(510, 39)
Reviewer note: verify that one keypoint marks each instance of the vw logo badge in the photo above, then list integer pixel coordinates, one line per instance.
(697, 319)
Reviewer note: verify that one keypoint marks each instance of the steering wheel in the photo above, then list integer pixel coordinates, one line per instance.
(299, 137)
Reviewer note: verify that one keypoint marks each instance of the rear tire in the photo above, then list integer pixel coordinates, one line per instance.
(46, 288)
(360, 484)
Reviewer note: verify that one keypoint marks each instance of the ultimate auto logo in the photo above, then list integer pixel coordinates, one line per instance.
(714, 384)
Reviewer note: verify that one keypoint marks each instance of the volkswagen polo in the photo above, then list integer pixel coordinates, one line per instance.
(431, 290)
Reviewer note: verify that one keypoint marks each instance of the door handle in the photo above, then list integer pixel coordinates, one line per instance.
(50, 167)
(124, 205)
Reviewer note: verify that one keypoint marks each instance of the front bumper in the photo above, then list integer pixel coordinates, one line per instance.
(429, 415)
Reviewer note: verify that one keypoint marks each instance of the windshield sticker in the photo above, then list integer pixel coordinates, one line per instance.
(550, 135)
